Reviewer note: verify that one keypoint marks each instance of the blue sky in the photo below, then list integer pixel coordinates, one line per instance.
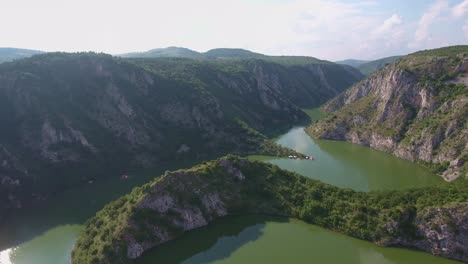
(327, 29)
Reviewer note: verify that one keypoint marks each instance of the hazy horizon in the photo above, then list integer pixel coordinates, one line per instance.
(142, 51)
(331, 30)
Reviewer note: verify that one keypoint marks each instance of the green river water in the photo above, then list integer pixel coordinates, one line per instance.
(46, 235)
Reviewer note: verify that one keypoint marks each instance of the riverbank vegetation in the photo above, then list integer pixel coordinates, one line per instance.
(253, 187)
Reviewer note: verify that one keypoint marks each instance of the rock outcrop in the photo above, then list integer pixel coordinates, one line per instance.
(416, 109)
(445, 230)
(442, 231)
(432, 219)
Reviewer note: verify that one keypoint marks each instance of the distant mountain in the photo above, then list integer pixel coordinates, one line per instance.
(415, 108)
(370, 67)
(352, 62)
(232, 53)
(176, 52)
(9, 54)
(221, 53)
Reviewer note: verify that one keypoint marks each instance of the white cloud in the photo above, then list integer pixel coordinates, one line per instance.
(388, 24)
(461, 9)
(427, 19)
(300, 27)
(329, 29)
(387, 38)
(465, 30)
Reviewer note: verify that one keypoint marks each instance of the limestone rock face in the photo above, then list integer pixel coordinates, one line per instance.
(443, 232)
(171, 199)
(415, 108)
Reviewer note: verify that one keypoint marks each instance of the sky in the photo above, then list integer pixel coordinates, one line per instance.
(326, 29)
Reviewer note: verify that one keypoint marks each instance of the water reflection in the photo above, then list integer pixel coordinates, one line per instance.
(348, 165)
(55, 246)
(211, 244)
(257, 239)
(46, 234)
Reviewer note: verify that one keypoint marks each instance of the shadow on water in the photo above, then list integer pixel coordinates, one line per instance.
(74, 206)
(225, 236)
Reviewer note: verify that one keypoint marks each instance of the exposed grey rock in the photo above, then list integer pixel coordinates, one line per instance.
(388, 111)
(188, 216)
(443, 231)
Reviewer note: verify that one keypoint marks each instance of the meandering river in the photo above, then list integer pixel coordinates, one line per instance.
(46, 235)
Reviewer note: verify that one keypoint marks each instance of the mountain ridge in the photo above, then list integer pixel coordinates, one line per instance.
(415, 108)
(370, 67)
(9, 54)
(165, 52)
(220, 53)
(352, 62)
(367, 67)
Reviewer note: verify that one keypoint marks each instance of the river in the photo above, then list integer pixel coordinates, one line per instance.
(46, 235)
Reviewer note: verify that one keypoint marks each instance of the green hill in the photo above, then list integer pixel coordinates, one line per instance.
(9, 54)
(178, 52)
(231, 53)
(177, 202)
(223, 53)
(352, 62)
(370, 67)
(415, 108)
(165, 52)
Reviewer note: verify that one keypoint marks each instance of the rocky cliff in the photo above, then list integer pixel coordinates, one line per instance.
(306, 82)
(70, 118)
(432, 219)
(444, 232)
(415, 108)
